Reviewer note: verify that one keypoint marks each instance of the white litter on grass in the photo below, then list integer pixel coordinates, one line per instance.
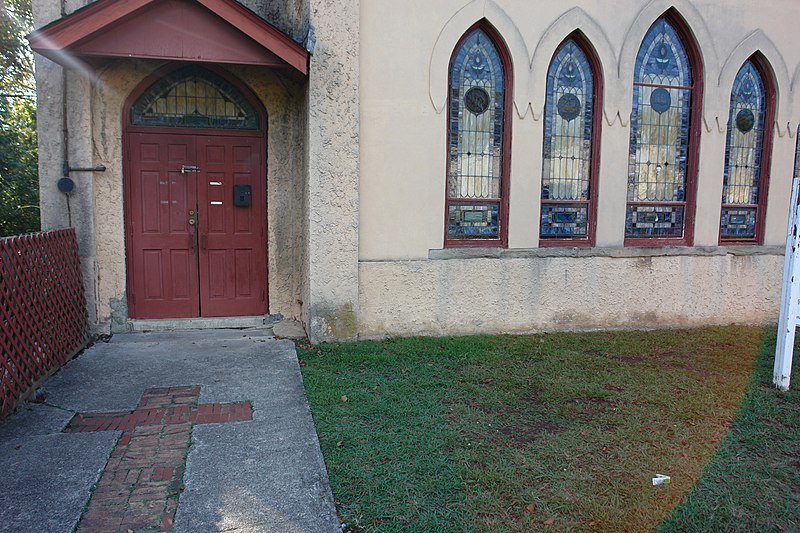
(661, 479)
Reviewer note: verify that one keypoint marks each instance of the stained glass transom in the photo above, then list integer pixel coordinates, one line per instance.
(659, 138)
(475, 144)
(743, 151)
(566, 172)
(194, 98)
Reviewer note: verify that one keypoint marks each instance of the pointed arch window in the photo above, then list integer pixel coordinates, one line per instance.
(662, 164)
(478, 140)
(570, 155)
(747, 151)
(194, 97)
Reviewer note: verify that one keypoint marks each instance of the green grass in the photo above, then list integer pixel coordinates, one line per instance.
(753, 482)
(511, 433)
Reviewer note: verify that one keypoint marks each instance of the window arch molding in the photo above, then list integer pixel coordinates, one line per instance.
(490, 170)
(451, 34)
(685, 197)
(573, 209)
(761, 154)
(692, 24)
(574, 20)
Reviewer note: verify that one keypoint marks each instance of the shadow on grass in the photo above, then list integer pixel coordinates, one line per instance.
(753, 481)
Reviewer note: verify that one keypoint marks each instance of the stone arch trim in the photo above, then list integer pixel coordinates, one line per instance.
(575, 19)
(451, 34)
(758, 42)
(793, 102)
(694, 23)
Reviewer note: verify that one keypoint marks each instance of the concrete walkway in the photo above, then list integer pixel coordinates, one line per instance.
(121, 418)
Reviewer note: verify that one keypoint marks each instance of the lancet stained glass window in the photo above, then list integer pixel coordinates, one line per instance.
(566, 172)
(743, 152)
(194, 97)
(659, 139)
(475, 142)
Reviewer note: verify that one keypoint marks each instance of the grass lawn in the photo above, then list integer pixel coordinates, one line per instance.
(556, 431)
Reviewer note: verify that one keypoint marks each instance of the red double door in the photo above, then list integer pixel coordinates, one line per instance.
(196, 245)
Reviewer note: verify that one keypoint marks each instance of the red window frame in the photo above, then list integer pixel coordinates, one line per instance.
(770, 103)
(594, 166)
(505, 164)
(693, 149)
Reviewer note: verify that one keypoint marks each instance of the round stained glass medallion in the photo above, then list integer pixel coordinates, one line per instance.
(476, 100)
(569, 107)
(660, 100)
(745, 120)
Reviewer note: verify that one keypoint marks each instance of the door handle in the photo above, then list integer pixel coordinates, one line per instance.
(204, 242)
(192, 221)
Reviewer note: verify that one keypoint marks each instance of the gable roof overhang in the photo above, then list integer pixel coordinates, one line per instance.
(211, 31)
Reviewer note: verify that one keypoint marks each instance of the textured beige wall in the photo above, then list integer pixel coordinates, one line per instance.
(404, 59)
(407, 288)
(331, 297)
(524, 294)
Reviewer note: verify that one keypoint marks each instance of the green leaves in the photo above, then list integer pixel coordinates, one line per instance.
(19, 178)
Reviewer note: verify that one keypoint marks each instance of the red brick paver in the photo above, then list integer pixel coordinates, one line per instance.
(142, 480)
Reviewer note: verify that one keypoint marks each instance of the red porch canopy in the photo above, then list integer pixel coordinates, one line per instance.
(210, 31)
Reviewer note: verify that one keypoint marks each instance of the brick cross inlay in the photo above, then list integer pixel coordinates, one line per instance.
(141, 483)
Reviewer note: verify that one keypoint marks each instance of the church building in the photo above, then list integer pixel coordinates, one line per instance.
(377, 168)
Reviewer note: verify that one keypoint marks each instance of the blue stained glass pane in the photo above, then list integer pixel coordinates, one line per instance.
(473, 221)
(567, 140)
(738, 223)
(660, 130)
(565, 221)
(662, 58)
(744, 141)
(654, 221)
(476, 118)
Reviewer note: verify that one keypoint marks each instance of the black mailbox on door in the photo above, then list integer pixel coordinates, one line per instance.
(242, 195)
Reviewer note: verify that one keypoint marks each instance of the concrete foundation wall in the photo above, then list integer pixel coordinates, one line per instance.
(537, 292)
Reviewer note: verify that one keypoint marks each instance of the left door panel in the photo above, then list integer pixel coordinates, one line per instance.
(162, 208)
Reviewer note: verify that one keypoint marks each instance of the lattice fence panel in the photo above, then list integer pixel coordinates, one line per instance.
(43, 320)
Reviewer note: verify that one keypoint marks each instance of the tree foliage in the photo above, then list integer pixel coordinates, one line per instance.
(16, 60)
(19, 179)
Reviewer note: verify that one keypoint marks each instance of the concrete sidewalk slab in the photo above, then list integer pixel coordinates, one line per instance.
(264, 474)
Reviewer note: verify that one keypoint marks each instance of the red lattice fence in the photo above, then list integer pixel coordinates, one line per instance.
(43, 320)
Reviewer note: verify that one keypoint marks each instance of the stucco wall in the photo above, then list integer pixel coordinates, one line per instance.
(407, 288)
(333, 171)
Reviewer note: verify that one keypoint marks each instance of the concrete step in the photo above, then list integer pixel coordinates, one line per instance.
(183, 324)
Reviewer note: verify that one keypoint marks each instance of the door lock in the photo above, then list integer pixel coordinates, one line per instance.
(192, 217)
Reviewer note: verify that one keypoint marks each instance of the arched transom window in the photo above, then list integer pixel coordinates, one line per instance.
(567, 172)
(661, 165)
(477, 159)
(743, 198)
(194, 97)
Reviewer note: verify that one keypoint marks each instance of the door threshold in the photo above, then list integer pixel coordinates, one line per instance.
(228, 322)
